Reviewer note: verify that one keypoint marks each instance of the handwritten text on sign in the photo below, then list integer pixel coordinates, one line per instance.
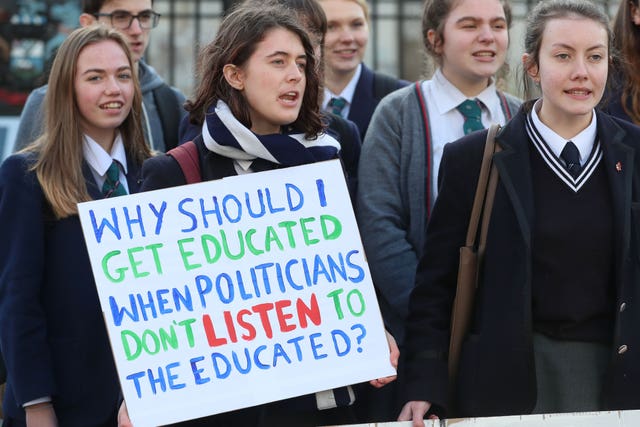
(232, 293)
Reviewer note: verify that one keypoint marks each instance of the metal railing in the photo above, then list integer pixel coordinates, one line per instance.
(395, 45)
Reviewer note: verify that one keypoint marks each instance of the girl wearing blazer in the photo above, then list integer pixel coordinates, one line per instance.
(554, 327)
(53, 338)
(257, 109)
(345, 75)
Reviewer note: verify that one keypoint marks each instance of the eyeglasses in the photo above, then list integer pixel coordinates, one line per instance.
(122, 20)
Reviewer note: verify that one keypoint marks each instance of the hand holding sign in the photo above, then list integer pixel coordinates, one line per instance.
(230, 293)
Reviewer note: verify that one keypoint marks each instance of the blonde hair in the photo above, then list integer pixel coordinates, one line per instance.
(363, 4)
(59, 149)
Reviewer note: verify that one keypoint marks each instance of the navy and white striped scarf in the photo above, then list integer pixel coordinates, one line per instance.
(225, 135)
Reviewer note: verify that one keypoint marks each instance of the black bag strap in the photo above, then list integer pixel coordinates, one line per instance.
(170, 113)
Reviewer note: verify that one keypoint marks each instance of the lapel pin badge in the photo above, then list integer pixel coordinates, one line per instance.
(619, 167)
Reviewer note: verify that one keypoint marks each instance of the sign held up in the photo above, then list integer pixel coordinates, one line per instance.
(233, 293)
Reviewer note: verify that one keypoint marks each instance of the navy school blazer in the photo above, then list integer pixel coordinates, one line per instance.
(496, 375)
(53, 336)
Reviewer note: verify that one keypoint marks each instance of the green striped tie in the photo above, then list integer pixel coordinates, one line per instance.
(111, 186)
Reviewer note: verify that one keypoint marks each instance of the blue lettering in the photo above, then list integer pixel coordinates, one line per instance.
(172, 377)
(321, 196)
(214, 211)
(238, 208)
(199, 379)
(345, 339)
(134, 220)
(294, 207)
(316, 346)
(136, 381)
(360, 276)
(221, 374)
(159, 215)
(99, 230)
(194, 220)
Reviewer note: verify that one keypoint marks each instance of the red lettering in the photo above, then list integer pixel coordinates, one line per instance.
(228, 320)
(283, 317)
(251, 331)
(211, 333)
(308, 312)
(262, 310)
(247, 325)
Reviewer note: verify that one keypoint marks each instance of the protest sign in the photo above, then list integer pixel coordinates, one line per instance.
(232, 293)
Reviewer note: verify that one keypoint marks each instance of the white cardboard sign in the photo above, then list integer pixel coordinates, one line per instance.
(233, 293)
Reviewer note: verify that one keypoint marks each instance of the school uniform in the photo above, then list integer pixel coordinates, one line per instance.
(396, 182)
(343, 130)
(515, 302)
(363, 94)
(53, 335)
(221, 155)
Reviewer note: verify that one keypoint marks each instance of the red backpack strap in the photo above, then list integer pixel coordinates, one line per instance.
(427, 135)
(505, 105)
(187, 157)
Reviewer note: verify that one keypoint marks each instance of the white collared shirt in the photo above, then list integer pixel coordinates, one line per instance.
(446, 122)
(99, 160)
(583, 140)
(347, 93)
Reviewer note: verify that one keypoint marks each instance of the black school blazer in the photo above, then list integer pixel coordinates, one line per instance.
(497, 372)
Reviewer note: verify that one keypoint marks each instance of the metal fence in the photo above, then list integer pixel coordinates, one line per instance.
(395, 44)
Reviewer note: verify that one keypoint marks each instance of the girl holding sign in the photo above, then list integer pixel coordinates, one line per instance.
(257, 106)
(59, 362)
(555, 321)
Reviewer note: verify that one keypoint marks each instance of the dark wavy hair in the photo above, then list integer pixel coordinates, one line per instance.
(626, 41)
(239, 34)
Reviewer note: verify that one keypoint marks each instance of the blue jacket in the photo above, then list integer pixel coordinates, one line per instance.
(53, 336)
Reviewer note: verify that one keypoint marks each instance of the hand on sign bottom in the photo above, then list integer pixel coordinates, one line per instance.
(394, 355)
(414, 411)
(123, 416)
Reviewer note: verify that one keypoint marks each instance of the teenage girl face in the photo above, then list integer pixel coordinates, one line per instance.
(474, 45)
(572, 72)
(347, 35)
(103, 90)
(272, 80)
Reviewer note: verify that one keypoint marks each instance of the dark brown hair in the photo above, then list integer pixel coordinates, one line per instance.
(626, 41)
(239, 34)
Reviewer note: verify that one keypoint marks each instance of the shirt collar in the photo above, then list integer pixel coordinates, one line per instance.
(347, 93)
(99, 159)
(449, 96)
(584, 140)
